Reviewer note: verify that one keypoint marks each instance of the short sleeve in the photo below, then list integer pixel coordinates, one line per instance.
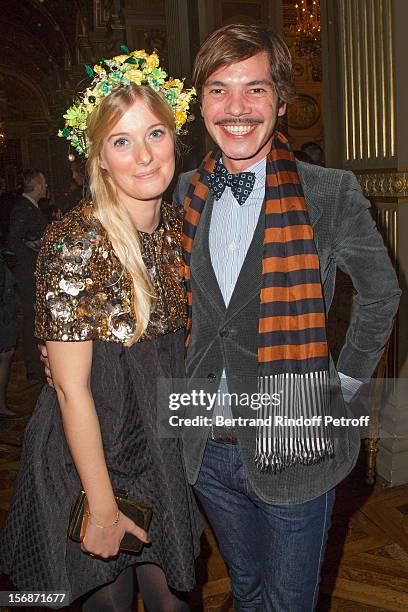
(66, 287)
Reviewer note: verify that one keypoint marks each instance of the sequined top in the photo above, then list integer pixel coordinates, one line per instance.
(83, 292)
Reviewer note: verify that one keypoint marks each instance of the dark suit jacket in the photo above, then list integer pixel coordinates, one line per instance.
(27, 224)
(346, 237)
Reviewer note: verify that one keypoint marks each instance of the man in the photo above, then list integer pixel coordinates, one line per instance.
(76, 192)
(314, 151)
(27, 224)
(263, 235)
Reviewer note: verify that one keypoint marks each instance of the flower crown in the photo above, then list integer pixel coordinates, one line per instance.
(132, 67)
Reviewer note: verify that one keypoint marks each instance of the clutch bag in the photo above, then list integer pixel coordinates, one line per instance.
(140, 514)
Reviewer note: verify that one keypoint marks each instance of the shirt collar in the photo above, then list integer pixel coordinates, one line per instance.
(25, 195)
(259, 169)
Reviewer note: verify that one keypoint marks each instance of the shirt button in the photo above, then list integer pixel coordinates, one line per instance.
(211, 376)
(224, 333)
(232, 247)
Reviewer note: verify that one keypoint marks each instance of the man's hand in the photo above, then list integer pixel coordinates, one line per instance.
(44, 359)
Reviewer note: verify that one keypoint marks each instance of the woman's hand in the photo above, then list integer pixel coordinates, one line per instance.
(104, 543)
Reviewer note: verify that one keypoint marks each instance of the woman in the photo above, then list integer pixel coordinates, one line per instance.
(110, 306)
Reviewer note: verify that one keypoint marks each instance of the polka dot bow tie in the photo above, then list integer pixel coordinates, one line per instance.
(241, 184)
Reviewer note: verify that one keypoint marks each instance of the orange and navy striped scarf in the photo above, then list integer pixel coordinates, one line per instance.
(292, 345)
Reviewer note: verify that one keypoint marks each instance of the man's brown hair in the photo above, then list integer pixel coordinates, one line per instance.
(237, 42)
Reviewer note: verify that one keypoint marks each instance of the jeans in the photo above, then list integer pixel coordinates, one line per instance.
(274, 552)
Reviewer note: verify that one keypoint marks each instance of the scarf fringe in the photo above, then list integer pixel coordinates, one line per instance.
(286, 439)
(278, 462)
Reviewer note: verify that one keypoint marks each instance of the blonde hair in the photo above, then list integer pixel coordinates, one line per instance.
(113, 216)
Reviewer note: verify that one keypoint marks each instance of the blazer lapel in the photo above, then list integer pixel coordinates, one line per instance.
(202, 271)
(314, 210)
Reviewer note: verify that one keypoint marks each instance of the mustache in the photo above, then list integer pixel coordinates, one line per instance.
(238, 120)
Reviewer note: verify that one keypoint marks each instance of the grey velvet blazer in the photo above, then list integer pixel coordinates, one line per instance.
(226, 338)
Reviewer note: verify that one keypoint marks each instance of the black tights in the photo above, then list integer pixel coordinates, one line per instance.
(118, 596)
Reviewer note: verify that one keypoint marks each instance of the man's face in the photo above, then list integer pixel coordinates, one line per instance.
(42, 186)
(240, 109)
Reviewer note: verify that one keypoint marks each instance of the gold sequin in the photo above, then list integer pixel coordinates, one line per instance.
(83, 293)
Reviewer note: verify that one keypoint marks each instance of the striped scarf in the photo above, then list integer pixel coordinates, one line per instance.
(292, 345)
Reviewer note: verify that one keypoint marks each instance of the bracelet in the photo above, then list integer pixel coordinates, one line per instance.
(115, 522)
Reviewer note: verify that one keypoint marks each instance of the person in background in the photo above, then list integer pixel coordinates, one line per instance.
(27, 224)
(7, 202)
(7, 335)
(314, 151)
(76, 192)
(302, 156)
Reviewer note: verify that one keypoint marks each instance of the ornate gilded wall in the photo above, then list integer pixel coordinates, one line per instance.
(305, 116)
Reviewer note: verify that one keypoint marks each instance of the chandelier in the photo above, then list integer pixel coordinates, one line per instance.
(308, 26)
(308, 42)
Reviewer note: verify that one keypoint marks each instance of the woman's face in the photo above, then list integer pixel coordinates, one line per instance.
(138, 154)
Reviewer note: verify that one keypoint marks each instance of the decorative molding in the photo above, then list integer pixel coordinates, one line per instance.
(384, 184)
(303, 113)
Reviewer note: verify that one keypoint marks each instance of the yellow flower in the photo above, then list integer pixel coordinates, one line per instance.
(183, 102)
(140, 54)
(184, 99)
(119, 59)
(176, 83)
(91, 98)
(89, 107)
(136, 76)
(152, 61)
(98, 69)
(189, 95)
(181, 118)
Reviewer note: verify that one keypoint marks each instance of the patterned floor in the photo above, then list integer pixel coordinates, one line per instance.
(366, 566)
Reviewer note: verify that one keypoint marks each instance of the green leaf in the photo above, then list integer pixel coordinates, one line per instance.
(89, 70)
(116, 76)
(171, 96)
(131, 60)
(124, 48)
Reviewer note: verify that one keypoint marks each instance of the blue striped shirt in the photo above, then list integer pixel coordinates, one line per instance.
(231, 231)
